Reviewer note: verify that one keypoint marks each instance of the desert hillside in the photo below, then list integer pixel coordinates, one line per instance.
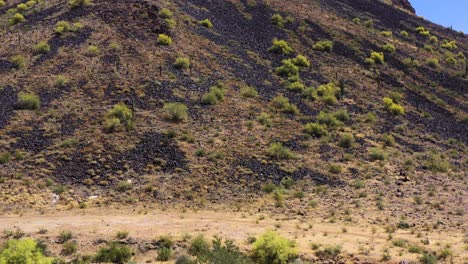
(338, 114)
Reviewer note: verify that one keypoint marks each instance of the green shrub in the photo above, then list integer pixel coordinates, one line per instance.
(369, 23)
(120, 116)
(277, 20)
(346, 140)
(315, 129)
(377, 154)
(16, 19)
(18, 61)
(21, 7)
(376, 58)
(389, 140)
(69, 248)
(280, 152)
(23, 251)
(271, 248)
(445, 253)
(92, 51)
(436, 162)
(433, 40)
(411, 63)
(5, 157)
(329, 252)
(177, 111)
(164, 254)
(404, 33)
(310, 93)
(433, 62)
(415, 249)
(278, 196)
(450, 45)
(199, 246)
(215, 95)
(296, 86)
(335, 168)
(206, 23)
(328, 119)
(268, 187)
(170, 23)
(122, 234)
(114, 253)
(64, 237)
(451, 60)
(264, 119)
(165, 13)
(327, 93)
(164, 39)
(422, 31)
(282, 103)
(2, 3)
(78, 3)
(31, 3)
(124, 186)
(323, 45)
(182, 63)
(428, 258)
(249, 92)
(386, 33)
(61, 81)
(42, 48)
(29, 101)
(281, 47)
(393, 107)
(63, 27)
(301, 61)
(356, 20)
(342, 115)
(288, 69)
(389, 48)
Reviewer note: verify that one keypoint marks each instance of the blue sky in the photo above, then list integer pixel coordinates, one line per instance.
(446, 13)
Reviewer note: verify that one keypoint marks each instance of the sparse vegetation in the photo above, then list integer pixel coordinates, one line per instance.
(389, 48)
(315, 129)
(280, 152)
(16, 19)
(18, 61)
(323, 45)
(164, 40)
(23, 251)
(282, 103)
(182, 63)
(214, 96)
(277, 20)
(118, 118)
(78, 3)
(375, 58)
(206, 23)
(281, 47)
(393, 107)
(42, 48)
(272, 248)
(114, 253)
(29, 101)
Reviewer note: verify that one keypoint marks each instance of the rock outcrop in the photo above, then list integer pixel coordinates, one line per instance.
(405, 4)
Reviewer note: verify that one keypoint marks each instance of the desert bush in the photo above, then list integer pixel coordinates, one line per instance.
(264, 119)
(92, 51)
(335, 168)
(428, 48)
(389, 48)
(375, 58)
(411, 63)
(2, 3)
(436, 162)
(29, 101)
(120, 116)
(21, 7)
(315, 129)
(433, 40)
(42, 48)
(206, 23)
(63, 27)
(280, 152)
(182, 63)
(199, 246)
(271, 248)
(221, 252)
(386, 33)
(282, 103)
(342, 115)
(346, 140)
(215, 95)
(287, 69)
(404, 33)
(64, 237)
(277, 20)
(301, 61)
(164, 254)
(278, 196)
(356, 20)
(268, 187)
(5, 157)
(296, 86)
(428, 258)
(177, 111)
(281, 47)
(69, 248)
(165, 13)
(122, 234)
(444, 253)
(323, 45)
(327, 93)
(31, 3)
(164, 39)
(433, 62)
(310, 93)
(18, 61)
(451, 60)
(393, 107)
(124, 186)
(23, 251)
(249, 92)
(450, 45)
(389, 140)
(16, 19)
(114, 253)
(78, 3)
(329, 252)
(328, 119)
(170, 23)
(369, 23)
(422, 31)
(61, 81)
(377, 154)
(287, 182)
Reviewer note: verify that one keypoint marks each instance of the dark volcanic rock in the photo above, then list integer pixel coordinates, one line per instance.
(405, 4)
